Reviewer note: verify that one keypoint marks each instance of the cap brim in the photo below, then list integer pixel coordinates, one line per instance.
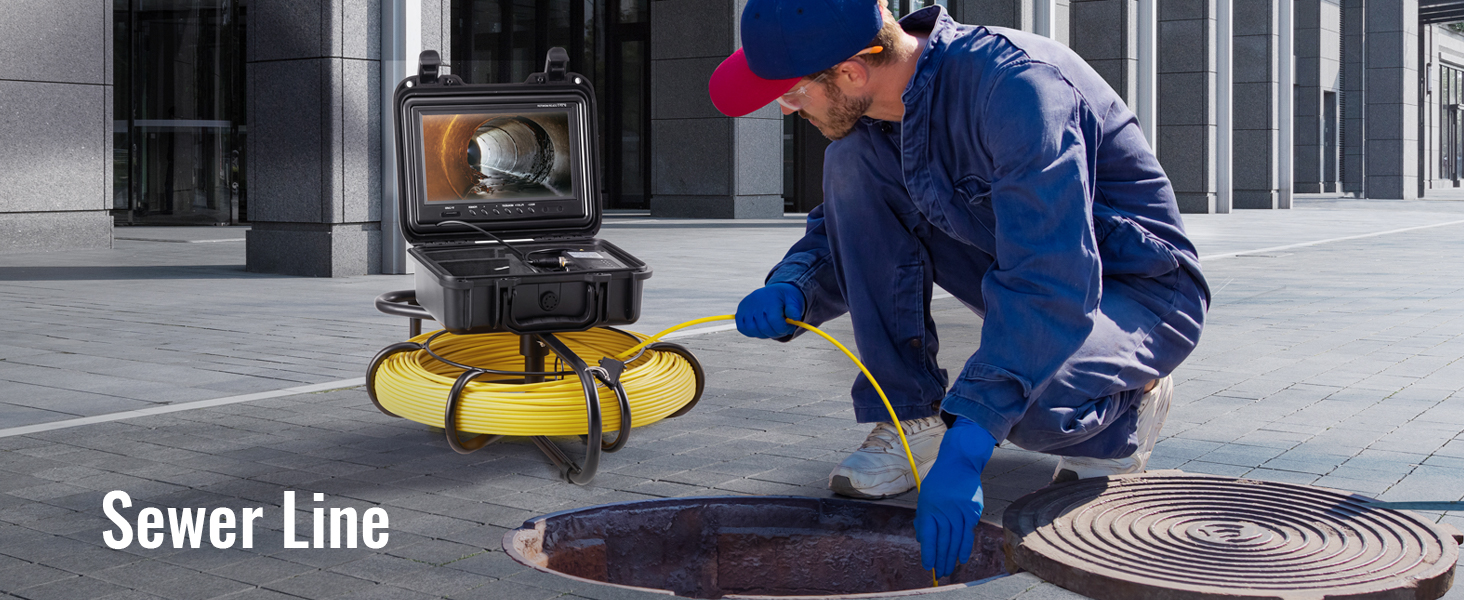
(736, 90)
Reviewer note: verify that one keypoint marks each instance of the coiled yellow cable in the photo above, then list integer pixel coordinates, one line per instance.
(415, 385)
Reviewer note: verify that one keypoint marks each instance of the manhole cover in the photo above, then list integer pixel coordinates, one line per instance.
(1184, 537)
(741, 546)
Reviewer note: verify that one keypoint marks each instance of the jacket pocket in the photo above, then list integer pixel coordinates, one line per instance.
(973, 195)
(973, 190)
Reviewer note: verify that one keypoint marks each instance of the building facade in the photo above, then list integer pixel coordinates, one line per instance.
(276, 114)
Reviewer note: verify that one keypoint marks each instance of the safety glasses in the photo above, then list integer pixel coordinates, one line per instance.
(798, 98)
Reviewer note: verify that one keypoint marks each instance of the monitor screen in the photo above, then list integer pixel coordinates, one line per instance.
(519, 155)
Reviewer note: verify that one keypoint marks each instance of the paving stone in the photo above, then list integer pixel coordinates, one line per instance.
(260, 570)
(507, 589)
(71, 588)
(435, 552)
(194, 585)
(496, 565)
(20, 576)
(321, 584)
(380, 568)
(259, 594)
(442, 582)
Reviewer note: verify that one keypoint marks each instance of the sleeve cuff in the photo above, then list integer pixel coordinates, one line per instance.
(991, 397)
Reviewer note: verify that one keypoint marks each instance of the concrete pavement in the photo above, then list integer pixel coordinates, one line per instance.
(1335, 363)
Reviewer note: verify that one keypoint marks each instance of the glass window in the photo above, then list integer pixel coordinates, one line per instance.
(1451, 125)
(634, 11)
(503, 41)
(179, 103)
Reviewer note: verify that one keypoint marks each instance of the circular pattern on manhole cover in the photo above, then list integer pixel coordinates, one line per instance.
(1183, 536)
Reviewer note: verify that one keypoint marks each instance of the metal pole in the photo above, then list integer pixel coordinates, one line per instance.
(393, 246)
(401, 42)
(132, 191)
(1425, 49)
(1044, 22)
(1146, 104)
(1224, 123)
(1286, 148)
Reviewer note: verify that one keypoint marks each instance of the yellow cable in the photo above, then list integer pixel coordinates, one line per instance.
(894, 418)
(415, 385)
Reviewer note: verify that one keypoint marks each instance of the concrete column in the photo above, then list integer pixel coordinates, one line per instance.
(1257, 84)
(1187, 120)
(1392, 100)
(704, 164)
(1354, 65)
(1308, 98)
(56, 90)
(314, 138)
(1106, 35)
(1062, 21)
(1014, 14)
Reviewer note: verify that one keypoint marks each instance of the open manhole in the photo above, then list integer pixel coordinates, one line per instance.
(731, 547)
(1179, 536)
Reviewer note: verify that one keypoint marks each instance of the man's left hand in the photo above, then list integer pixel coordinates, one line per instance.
(950, 497)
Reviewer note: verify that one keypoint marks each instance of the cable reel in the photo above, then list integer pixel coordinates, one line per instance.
(496, 385)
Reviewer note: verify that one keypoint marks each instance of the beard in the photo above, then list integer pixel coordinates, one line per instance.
(844, 112)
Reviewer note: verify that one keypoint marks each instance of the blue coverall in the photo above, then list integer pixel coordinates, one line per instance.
(1019, 182)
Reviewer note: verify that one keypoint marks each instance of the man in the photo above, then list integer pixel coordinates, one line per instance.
(999, 166)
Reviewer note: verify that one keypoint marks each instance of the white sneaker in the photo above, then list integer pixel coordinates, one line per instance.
(879, 469)
(1153, 408)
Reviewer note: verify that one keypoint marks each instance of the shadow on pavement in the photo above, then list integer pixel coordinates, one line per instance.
(129, 272)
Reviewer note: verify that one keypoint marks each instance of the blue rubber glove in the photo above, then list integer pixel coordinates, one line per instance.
(950, 497)
(761, 314)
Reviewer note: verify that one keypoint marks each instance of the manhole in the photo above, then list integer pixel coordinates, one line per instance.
(1186, 537)
(745, 546)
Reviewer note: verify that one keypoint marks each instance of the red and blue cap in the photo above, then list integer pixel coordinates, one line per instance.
(785, 40)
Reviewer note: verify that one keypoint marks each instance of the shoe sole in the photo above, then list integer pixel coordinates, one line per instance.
(841, 485)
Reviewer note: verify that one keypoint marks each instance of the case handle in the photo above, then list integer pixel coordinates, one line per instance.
(429, 70)
(428, 64)
(556, 67)
(556, 64)
(590, 317)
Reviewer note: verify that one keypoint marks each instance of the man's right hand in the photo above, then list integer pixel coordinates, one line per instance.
(762, 313)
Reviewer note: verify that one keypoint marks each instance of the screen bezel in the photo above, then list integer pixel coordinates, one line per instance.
(423, 222)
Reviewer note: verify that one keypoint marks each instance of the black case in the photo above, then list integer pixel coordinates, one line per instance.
(470, 286)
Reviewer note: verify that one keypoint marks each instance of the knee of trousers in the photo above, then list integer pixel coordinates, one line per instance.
(1046, 430)
(1104, 426)
(1041, 432)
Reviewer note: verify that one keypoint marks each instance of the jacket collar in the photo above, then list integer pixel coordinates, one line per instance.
(941, 29)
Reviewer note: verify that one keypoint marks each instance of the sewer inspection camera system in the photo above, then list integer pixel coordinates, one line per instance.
(498, 188)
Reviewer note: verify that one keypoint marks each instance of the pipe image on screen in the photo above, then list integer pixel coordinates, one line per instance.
(492, 157)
